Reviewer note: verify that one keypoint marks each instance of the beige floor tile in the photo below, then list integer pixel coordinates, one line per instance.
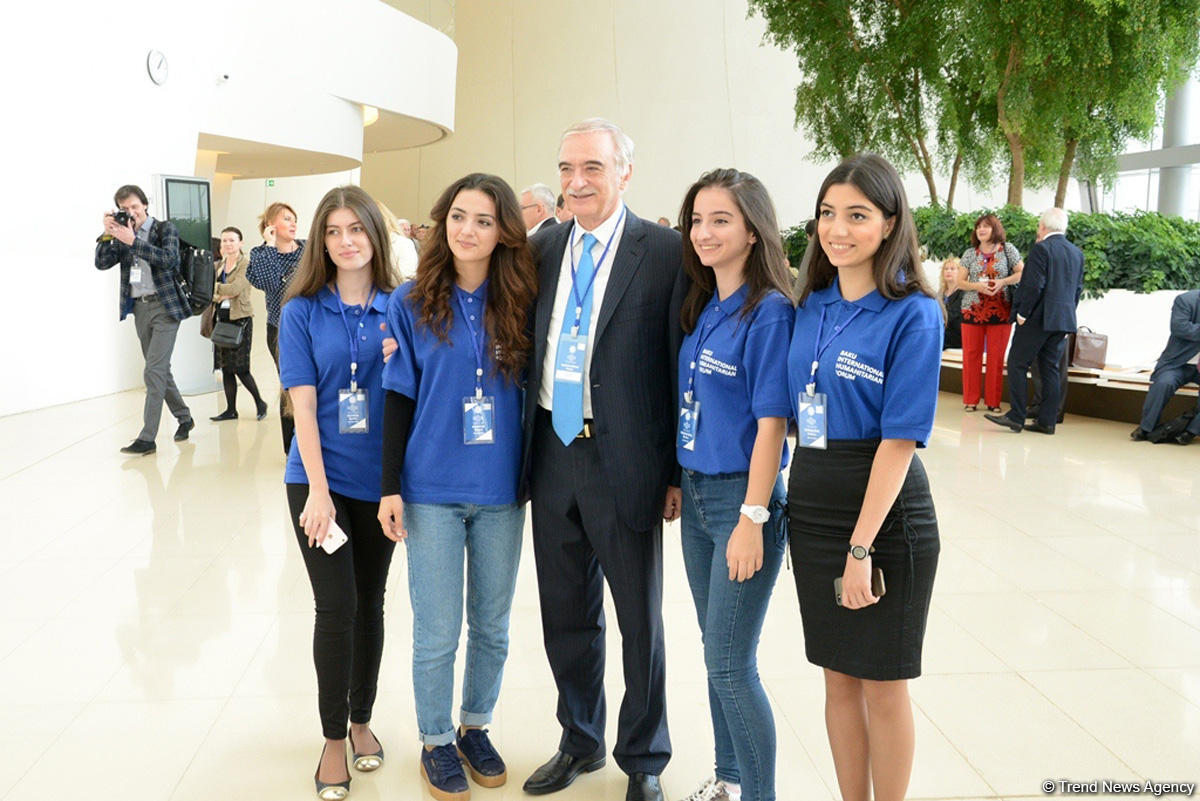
(1141, 632)
(1128, 712)
(1012, 734)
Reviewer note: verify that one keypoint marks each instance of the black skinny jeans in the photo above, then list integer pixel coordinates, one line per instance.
(348, 590)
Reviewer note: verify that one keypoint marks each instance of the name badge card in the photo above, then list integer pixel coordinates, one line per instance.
(479, 420)
(135, 274)
(811, 420)
(352, 411)
(571, 350)
(225, 304)
(689, 420)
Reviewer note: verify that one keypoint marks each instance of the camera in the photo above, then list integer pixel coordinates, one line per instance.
(122, 217)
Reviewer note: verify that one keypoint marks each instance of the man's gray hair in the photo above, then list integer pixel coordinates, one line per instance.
(622, 144)
(1054, 220)
(541, 194)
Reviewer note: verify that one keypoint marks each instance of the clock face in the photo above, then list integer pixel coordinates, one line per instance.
(156, 65)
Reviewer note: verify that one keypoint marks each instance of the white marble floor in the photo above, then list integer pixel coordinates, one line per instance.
(155, 639)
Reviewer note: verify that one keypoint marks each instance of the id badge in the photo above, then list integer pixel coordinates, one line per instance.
(225, 304)
(689, 420)
(571, 352)
(479, 420)
(352, 411)
(811, 420)
(135, 275)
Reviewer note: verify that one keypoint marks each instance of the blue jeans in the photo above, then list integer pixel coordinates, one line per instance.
(438, 535)
(731, 617)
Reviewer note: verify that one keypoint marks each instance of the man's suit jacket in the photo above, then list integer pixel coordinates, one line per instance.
(1051, 284)
(543, 225)
(635, 348)
(1184, 342)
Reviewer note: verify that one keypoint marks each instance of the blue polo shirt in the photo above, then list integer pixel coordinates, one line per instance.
(438, 466)
(880, 374)
(740, 376)
(314, 350)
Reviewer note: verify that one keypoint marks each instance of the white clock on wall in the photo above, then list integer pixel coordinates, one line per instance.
(156, 65)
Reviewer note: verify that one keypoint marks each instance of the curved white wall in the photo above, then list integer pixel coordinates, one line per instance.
(84, 118)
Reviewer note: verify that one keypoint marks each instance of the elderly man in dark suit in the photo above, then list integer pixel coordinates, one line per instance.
(600, 456)
(1176, 367)
(1044, 308)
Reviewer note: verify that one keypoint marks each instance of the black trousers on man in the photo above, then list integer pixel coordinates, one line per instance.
(1046, 347)
(578, 543)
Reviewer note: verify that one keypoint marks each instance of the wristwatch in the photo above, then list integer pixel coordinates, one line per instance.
(859, 552)
(757, 514)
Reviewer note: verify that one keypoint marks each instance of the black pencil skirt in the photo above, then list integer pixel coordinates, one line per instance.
(825, 492)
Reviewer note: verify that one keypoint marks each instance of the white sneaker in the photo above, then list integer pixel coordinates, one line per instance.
(712, 790)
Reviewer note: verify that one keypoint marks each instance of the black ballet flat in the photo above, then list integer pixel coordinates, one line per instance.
(225, 415)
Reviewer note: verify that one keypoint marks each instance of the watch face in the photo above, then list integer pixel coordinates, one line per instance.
(858, 552)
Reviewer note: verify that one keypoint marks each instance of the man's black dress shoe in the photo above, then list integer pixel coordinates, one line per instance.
(1038, 427)
(181, 433)
(643, 787)
(139, 447)
(1183, 438)
(1004, 420)
(1138, 434)
(562, 769)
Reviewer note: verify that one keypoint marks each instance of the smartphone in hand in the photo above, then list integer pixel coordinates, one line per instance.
(334, 538)
(877, 586)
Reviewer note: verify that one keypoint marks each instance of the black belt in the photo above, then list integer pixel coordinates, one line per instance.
(147, 298)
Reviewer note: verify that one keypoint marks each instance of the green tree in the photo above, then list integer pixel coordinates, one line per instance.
(871, 74)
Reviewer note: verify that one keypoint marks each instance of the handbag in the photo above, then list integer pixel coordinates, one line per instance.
(1091, 349)
(207, 320)
(227, 335)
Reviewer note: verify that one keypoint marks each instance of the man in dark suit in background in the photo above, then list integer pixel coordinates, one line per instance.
(1176, 367)
(1044, 308)
(537, 208)
(600, 456)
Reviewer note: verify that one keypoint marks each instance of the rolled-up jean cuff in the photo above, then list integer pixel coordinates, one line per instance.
(445, 738)
(474, 718)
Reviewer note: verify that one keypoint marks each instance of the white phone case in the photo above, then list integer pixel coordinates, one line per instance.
(335, 538)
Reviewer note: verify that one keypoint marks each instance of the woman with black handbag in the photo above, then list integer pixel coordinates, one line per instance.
(233, 325)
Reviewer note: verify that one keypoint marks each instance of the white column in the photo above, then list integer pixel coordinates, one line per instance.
(1179, 128)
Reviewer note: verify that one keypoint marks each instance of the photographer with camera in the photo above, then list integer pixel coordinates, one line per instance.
(148, 252)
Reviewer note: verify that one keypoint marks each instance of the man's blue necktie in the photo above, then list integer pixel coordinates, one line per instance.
(567, 414)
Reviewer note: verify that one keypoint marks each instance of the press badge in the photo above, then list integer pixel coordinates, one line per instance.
(689, 420)
(810, 420)
(479, 420)
(352, 411)
(571, 350)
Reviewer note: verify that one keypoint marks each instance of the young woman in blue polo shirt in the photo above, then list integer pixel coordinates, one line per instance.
(863, 373)
(331, 363)
(452, 454)
(733, 411)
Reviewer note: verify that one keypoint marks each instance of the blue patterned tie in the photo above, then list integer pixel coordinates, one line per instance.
(567, 414)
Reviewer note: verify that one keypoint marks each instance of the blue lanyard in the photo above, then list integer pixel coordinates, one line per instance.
(476, 341)
(819, 349)
(700, 339)
(575, 284)
(353, 338)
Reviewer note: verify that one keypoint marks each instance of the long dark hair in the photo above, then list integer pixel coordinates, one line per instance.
(766, 264)
(316, 269)
(897, 263)
(512, 277)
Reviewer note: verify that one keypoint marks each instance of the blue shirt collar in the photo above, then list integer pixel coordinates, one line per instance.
(479, 294)
(732, 303)
(329, 300)
(872, 301)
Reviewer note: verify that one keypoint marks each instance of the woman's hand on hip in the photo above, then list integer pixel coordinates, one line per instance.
(391, 517)
(318, 511)
(744, 553)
